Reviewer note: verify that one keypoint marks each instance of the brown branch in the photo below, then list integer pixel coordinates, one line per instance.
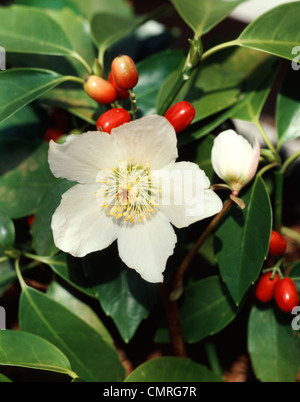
(177, 283)
(173, 319)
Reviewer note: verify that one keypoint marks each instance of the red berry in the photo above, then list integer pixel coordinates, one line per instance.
(112, 118)
(265, 287)
(30, 220)
(277, 244)
(53, 133)
(180, 115)
(100, 90)
(121, 93)
(124, 72)
(286, 295)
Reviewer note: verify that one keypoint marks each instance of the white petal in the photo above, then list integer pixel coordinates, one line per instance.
(231, 156)
(151, 139)
(79, 224)
(185, 197)
(82, 156)
(146, 247)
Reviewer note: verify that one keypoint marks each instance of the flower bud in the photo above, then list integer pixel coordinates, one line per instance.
(234, 159)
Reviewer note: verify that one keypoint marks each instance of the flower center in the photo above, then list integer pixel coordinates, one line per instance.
(128, 192)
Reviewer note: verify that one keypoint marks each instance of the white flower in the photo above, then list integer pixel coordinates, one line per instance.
(234, 159)
(122, 193)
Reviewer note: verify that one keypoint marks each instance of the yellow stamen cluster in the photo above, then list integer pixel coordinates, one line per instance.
(128, 192)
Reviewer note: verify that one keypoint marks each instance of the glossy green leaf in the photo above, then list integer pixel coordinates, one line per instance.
(3, 378)
(248, 106)
(205, 309)
(273, 345)
(22, 186)
(41, 229)
(91, 357)
(24, 124)
(63, 296)
(77, 30)
(173, 369)
(75, 101)
(123, 294)
(107, 29)
(21, 86)
(275, 32)
(202, 15)
(153, 71)
(22, 349)
(71, 270)
(288, 109)
(7, 275)
(31, 30)
(249, 230)
(7, 232)
(86, 8)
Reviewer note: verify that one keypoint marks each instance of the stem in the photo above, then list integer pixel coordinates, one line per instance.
(278, 200)
(134, 108)
(3, 259)
(82, 61)
(39, 258)
(213, 357)
(177, 283)
(75, 79)
(289, 161)
(268, 167)
(181, 80)
(215, 49)
(264, 136)
(173, 319)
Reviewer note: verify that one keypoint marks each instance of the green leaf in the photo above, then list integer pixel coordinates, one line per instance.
(248, 106)
(41, 229)
(63, 296)
(172, 369)
(275, 32)
(249, 230)
(31, 30)
(89, 354)
(27, 181)
(123, 294)
(86, 8)
(153, 71)
(3, 378)
(205, 310)
(77, 30)
(75, 101)
(273, 345)
(108, 29)
(7, 275)
(288, 109)
(202, 15)
(22, 349)
(21, 86)
(7, 232)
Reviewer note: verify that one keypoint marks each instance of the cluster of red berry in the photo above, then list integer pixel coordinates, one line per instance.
(272, 285)
(123, 78)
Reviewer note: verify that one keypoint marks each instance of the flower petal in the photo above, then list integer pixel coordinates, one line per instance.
(82, 156)
(151, 139)
(146, 247)
(79, 224)
(185, 195)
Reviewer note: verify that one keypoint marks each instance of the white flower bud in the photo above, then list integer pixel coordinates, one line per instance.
(234, 159)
